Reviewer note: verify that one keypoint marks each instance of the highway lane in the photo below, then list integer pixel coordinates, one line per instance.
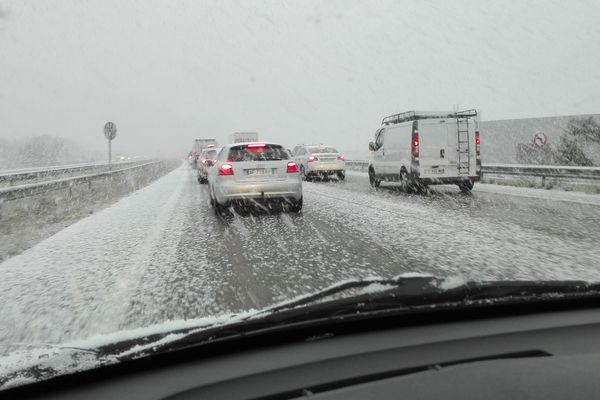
(162, 254)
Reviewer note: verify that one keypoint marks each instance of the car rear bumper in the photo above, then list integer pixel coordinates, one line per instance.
(226, 192)
(451, 175)
(331, 167)
(446, 180)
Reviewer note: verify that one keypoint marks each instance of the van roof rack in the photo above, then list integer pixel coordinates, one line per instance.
(415, 115)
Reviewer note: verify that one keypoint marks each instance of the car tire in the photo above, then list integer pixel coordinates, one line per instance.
(373, 179)
(210, 196)
(296, 206)
(305, 177)
(221, 210)
(466, 186)
(341, 175)
(405, 182)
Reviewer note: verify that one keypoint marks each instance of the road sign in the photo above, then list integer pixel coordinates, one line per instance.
(110, 130)
(540, 139)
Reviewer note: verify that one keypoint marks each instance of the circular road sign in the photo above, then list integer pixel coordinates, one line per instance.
(540, 139)
(110, 130)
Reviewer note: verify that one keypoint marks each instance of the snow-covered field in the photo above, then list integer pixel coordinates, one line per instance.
(161, 254)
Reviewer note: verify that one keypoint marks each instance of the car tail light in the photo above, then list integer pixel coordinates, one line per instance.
(312, 158)
(205, 161)
(477, 144)
(256, 146)
(341, 157)
(226, 169)
(415, 144)
(292, 167)
(210, 146)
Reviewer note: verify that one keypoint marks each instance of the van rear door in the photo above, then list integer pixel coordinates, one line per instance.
(438, 148)
(447, 148)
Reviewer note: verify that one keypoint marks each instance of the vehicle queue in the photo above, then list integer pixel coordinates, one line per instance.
(412, 149)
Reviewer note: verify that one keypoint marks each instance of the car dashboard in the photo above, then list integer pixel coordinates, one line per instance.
(547, 355)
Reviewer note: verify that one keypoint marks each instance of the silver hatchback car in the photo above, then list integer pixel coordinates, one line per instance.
(255, 174)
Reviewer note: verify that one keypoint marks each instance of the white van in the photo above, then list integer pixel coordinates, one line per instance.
(425, 148)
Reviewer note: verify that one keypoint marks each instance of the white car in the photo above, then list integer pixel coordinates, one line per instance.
(255, 174)
(417, 149)
(320, 160)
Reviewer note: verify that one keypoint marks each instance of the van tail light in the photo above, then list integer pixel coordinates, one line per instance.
(415, 144)
(312, 158)
(292, 167)
(341, 157)
(477, 144)
(226, 169)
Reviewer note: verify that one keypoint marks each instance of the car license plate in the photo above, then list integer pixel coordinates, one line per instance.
(436, 171)
(259, 171)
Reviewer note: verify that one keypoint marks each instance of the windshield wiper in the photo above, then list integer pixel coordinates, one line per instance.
(368, 299)
(384, 295)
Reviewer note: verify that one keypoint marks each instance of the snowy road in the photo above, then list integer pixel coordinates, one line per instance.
(161, 253)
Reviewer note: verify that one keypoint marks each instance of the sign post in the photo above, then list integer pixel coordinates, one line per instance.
(110, 132)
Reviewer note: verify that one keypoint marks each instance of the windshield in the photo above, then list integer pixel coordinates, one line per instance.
(469, 134)
(322, 150)
(210, 155)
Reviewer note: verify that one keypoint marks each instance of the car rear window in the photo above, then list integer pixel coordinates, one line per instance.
(322, 150)
(268, 152)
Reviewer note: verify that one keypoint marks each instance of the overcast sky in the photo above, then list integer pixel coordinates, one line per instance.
(296, 71)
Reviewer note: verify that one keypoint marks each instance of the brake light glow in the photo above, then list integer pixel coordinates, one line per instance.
(415, 144)
(292, 167)
(312, 158)
(226, 169)
(477, 144)
(341, 157)
(256, 146)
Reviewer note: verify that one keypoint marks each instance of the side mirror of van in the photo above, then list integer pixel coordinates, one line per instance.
(371, 146)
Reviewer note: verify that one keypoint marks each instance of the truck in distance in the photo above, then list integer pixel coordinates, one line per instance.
(243, 137)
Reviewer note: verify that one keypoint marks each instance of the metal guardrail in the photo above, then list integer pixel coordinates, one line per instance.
(32, 189)
(543, 171)
(14, 177)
